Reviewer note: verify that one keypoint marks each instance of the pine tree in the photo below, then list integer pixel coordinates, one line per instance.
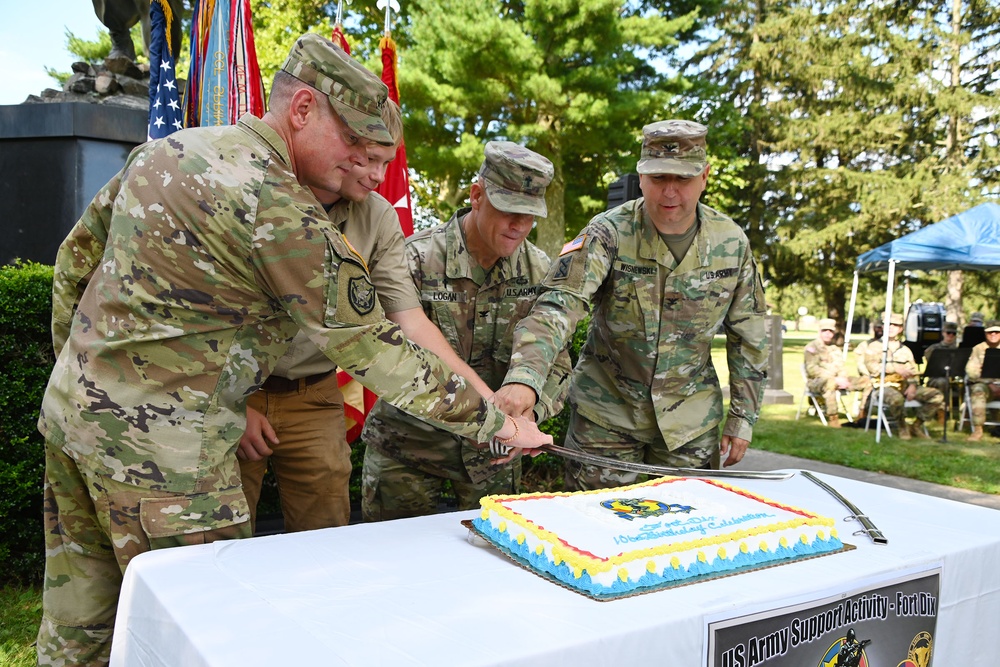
(860, 122)
(572, 80)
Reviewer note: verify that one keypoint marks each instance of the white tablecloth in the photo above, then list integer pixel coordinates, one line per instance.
(416, 592)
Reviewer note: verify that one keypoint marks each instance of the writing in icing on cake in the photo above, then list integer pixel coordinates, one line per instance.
(701, 525)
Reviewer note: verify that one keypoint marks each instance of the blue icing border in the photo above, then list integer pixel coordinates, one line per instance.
(507, 543)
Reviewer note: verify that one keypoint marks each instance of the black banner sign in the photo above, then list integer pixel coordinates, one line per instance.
(888, 623)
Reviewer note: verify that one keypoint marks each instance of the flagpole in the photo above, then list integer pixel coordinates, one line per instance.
(389, 6)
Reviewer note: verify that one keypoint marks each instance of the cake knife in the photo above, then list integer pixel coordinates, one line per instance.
(646, 468)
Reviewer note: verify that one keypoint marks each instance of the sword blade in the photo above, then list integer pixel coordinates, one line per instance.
(869, 528)
(660, 471)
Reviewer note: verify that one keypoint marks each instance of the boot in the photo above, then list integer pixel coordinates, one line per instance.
(917, 430)
(833, 421)
(903, 430)
(976, 435)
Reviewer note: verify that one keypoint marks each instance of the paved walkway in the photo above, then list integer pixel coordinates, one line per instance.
(759, 460)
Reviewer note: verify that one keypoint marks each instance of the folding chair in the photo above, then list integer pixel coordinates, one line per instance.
(991, 369)
(817, 401)
(966, 410)
(873, 406)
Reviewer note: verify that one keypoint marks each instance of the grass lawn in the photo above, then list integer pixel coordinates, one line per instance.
(958, 463)
(20, 613)
(968, 465)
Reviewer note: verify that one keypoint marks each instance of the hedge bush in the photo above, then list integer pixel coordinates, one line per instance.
(27, 359)
(25, 364)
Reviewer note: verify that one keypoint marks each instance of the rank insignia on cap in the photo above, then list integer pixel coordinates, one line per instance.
(361, 295)
(575, 244)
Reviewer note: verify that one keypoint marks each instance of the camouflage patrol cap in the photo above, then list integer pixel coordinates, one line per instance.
(976, 318)
(896, 319)
(355, 94)
(673, 147)
(827, 324)
(991, 326)
(514, 178)
(949, 327)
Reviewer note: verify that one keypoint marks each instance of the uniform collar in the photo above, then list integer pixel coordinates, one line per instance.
(652, 247)
(338, 213)
(265, 134)
(459, 261)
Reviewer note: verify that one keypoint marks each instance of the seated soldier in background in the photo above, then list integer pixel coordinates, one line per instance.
(984, 389)
(902, 383)
(859, 352)
(825, 371)
(859, 357)
(949, 341)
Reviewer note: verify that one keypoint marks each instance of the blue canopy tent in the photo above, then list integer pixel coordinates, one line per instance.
(969, 241)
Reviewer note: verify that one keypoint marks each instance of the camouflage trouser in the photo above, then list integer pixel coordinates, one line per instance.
(93, 527)
(312, 460)
(931, 400)
(941, 384)
(585, 435)
(979, 395)
(393, 490)
(828, 388)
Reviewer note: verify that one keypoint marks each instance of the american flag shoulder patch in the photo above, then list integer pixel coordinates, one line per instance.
(575, 244)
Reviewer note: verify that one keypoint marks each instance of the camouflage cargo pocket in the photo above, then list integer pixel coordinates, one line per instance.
(195, 519)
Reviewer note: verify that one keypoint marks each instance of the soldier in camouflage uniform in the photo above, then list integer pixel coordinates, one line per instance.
(902, 383)
(174, 295)
(662, 275)
(859, 352)
(825, 371)
(949, 341)
(477, 277)
(984, 389)
(295, 421)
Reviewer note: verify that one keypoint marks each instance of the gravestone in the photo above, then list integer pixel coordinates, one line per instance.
(775, 392)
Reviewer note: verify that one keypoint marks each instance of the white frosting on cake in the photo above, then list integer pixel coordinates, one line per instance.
(612, 542)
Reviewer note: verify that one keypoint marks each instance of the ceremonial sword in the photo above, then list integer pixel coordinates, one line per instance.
(869, 528)
(645, 468)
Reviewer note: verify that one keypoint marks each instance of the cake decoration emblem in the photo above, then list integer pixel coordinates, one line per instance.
(641, 508)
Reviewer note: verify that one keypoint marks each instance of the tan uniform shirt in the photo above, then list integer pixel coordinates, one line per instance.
(372, 228)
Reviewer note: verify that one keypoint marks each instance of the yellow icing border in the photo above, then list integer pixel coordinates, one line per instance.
(579, 561)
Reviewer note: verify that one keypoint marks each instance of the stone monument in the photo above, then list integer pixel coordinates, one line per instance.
(58, 148)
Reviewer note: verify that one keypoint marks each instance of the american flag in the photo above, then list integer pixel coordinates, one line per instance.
(165, 112)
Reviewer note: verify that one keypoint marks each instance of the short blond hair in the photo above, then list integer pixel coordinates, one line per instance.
(393, 119)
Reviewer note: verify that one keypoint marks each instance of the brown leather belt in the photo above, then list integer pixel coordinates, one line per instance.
(280, 385)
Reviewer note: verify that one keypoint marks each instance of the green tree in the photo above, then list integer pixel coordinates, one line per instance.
(572, 80)
(91, 51)
(860, 122)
